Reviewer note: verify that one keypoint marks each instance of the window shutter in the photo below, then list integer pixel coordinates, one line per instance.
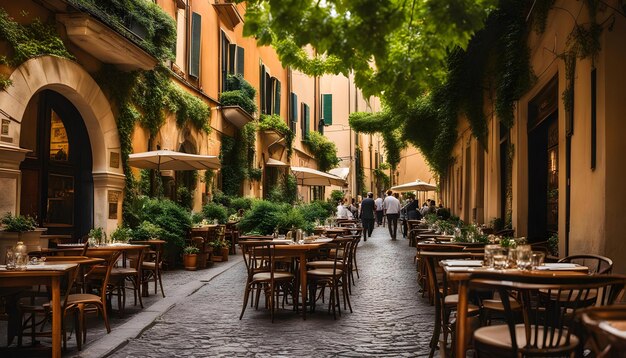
(240, 60)
(224, 62)
(194, 56)
(232, 55)
(294, 107)
(327, 109)
(262, 89)
(307, 122)
(276, 96)
(268, 93)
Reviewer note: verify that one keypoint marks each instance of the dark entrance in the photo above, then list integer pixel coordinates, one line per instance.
(543, 168)
(57, 184)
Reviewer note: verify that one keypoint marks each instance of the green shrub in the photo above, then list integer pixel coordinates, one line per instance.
(553, 244)
(336, 195)
(238, 98)
(184, 197)
(147, 231)
(122, 234)
(173, 219)
(18, 223)
(237, 82)
(191, 250)
(240, 203)
(316, 210)
(291, 217)
(262, 218)
(212, 211)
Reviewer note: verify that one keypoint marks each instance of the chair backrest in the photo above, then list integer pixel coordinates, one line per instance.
(604, 342)
(102, 272)
(598, 265)
(135, 255)
(548, 303)
(342, 247)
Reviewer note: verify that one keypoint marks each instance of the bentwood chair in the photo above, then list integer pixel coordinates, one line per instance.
(603, 332)
(121, 276)
(152, 265)
(97, 288)
(598, 265)
(549, 304)
(263, 276)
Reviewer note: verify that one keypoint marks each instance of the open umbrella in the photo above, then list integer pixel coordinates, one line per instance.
(170, 160)
(417, 185)
(308, 176)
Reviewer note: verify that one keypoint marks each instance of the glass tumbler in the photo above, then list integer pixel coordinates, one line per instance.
(537, 259)
(10, 259)
(500, 261)
(491, 250)
(524, 255)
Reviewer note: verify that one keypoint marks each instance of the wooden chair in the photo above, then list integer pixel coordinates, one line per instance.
(97, 278)
(152, 266)
(334, 277)
(506, 233)
(549, 304)
(444, 296)
(120, 276)
(262, 275)
(603, 341)
(598, 265)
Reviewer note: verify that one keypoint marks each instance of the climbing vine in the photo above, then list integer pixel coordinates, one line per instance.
(325, 151)
(360, 172)
(275, 123)
(237, 158)
(28, 41)
(239, 93)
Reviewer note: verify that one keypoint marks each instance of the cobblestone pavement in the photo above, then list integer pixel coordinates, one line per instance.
(390, 318)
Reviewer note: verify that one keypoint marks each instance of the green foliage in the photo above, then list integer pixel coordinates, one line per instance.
(316, 211)
(286, 191)
(184, 197)
(291, 217)
(191, 250)
(97, 233)
(262, 218)
(173, 219)
(18, 223)
(233, 170)
(122, 234)
(213, 211)
(275, 123)
(553, 244)
(240, 203)
(159, 27)
(325, 151)
(31, 40)
(265, 216)
(382, 178)
(385, 123)
(336, 196)
(188, 108)
(239, 93)
(147, 231)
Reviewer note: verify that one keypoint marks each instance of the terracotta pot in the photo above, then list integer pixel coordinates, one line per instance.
(190, 261)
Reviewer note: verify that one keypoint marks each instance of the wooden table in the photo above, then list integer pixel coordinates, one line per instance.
(36, 275)
(463, 274)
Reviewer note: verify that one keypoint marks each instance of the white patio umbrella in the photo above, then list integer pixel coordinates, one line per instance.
(308, 176)
(170, 160)
(417, 185)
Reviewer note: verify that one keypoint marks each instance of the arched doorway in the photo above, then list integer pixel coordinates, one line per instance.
(57, 182)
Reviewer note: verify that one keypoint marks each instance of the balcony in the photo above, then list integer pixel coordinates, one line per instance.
(228, 13)
(236, 115)
(104, 43)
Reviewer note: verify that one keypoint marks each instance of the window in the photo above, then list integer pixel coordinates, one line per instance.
(182, 25)
(305, 121)
(232, 60)
(194, 53)
(327, 109)
(293, 116)
(270, 92)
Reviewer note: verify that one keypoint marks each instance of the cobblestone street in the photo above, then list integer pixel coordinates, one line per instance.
(390, 318)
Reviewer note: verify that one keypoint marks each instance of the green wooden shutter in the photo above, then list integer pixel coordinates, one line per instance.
(327, 109)
(307, 122)
(240, 60)
(276, 96)
(232, 55)
(269, 101)
(194, 56)
(224, 62)
(294, 107)
(262, 89)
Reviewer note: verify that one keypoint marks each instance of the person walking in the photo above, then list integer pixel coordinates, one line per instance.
(368, 208)
(392, 208)
(379, 211)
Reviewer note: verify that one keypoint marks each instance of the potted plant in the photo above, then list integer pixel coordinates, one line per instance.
(220, 250)
(121, 234)
(190, 257)
(20, 228)
(97, 236)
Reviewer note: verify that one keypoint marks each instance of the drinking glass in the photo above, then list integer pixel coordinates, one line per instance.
(491, 250)
(500, 261)
(537, 259)
(512, 257)
(524, 255)
(10, 259)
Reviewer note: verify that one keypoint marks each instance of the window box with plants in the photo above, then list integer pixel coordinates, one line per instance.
(190, 257)
(20, 228)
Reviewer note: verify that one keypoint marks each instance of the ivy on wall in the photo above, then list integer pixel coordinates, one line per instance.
(239, 93)
(28, 41)
(237, 159)
(386, 123)
(275, 123)
(325, 151)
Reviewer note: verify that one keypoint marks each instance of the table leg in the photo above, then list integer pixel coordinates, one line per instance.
(56, 317)
(461, 320)
(303, 286)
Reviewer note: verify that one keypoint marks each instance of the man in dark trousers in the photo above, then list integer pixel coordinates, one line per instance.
(368, 208)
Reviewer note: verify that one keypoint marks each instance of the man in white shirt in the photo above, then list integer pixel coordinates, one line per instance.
(379, 211)
(392, 208)
(343, 212)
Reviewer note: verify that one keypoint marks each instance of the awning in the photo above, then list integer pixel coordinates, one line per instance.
(311, 177)
(417, 185)
(275, 163)
(340, 172)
